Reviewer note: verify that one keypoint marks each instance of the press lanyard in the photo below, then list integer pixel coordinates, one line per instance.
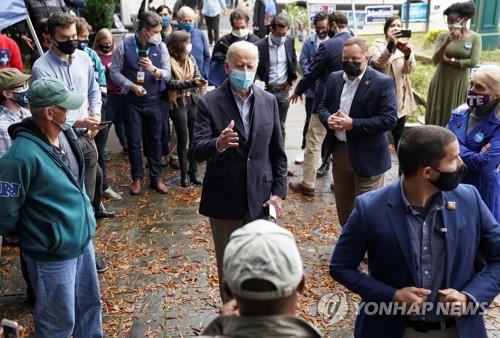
(137, 48)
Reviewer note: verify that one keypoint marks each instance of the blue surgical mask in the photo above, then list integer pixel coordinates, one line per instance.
(82, 44)
(187, 26)
(241, 80)
(166, 21)
(64, 126)
(278, 40)
(20, 98)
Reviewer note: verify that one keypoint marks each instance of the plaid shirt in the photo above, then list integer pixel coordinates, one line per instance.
(7, 117)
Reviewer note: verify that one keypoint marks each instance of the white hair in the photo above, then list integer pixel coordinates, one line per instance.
(493, 74)
(185, 11)
(245, 46)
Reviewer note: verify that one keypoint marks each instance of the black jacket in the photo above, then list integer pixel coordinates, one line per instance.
(220, 49)
(239, 180)
(264, 61)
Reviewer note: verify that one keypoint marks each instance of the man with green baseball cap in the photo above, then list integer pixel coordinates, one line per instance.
(44, 203)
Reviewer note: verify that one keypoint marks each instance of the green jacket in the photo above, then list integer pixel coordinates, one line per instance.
(41, 202)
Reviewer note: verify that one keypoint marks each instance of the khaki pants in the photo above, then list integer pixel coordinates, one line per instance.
(314, 139)
(221, 231)
(450, 332)
(348, 185)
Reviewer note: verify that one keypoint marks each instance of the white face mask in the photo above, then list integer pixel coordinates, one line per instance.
(189, 48)
(155, 39)
(241, 33)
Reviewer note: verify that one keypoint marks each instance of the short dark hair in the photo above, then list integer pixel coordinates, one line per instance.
(162, 7)
(339, 18)
(60, 19)
(320, 17)
(389, 22)
(280, 20)
(149, 19)
(359, 42)
(463, 9)
(423, 146)
(42, 25)
(238, 14)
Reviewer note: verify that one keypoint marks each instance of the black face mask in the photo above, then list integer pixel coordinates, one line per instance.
(105, 49)
(321, 34)
(331, 33)
(82, 44)
(67, 47)
(352, 68)
(449, 181)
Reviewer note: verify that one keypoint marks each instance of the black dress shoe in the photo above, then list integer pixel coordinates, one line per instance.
(100, 264)
(194, 181)
(104, 214)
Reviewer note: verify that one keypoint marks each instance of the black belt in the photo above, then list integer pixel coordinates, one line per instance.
(423, 327)
(277, 88)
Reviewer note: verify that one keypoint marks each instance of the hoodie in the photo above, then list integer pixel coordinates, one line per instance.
(42, 203)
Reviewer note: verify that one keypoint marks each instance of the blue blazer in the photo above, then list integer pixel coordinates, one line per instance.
(374, 112)
(483, 168)
(326, 60)
(200, 51)
(239, 180)
(378, 225)
(306, 56)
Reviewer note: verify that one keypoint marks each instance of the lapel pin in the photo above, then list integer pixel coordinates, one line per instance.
(451, 205)
(367, 82)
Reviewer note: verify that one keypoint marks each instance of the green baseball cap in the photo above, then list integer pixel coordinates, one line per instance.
(50, 92)
(11, 78)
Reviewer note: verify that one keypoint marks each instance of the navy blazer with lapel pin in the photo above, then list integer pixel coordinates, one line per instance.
(374, 112)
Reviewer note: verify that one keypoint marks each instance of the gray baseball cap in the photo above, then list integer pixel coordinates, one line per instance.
(266, 251)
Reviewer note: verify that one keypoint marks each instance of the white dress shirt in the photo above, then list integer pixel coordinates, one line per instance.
(348, 92)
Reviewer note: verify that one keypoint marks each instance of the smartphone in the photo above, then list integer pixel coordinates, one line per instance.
(405, 33)
(401, 46)
(143, 54)
(105, 123)
(10, 328)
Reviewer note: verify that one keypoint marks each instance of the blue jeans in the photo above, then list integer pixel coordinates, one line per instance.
(67, 296)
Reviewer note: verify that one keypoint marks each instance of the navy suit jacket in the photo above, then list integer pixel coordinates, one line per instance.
(327, 59)
(374, 112)
(239, 180)
(264, 61)
(378, 225)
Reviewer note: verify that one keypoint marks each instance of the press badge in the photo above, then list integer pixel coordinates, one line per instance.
(140, 76)
(468, 46)
(479, 137)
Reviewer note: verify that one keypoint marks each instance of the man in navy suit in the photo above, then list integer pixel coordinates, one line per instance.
(425, 235)
(326, 60)
(237, 131)
(358, 107)
(278, 64)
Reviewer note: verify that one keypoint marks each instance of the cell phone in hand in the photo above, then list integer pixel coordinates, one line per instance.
(405, 33)
(105, 123)
(401, 46)
(143, 54)
(10, 328)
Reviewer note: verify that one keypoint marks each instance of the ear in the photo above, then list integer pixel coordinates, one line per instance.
(47, 113)
(427, 173)
(227, 68)
(302, 285)
(6, 94)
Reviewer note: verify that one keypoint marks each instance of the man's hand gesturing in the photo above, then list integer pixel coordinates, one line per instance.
(227, 138)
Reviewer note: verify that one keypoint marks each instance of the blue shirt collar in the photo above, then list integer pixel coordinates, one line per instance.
(437, 202)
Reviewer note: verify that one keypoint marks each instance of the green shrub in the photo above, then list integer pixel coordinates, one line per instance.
(298, 13)
(431, 37)
(99, 13)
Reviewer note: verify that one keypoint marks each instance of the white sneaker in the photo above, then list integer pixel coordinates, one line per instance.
(300, 158)
(110, 193)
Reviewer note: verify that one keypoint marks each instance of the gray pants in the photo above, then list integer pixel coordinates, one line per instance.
(90, 157)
